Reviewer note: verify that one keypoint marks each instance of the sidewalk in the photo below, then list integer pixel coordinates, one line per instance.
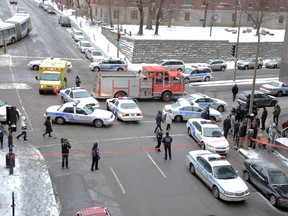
(30, 182)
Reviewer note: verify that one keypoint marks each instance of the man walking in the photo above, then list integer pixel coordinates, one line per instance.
(167, 140)
(234, 91)
(48, 126)
(159, 137)
(263, 118)
(77, 81)
(159, 120)
(65, 144)
(226, 126)
(23, 128)
(276, 113)
(2, 132)
(95, 157)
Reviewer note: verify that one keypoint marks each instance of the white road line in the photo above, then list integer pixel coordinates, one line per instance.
(156, 165)
(118, 181)
(43, 57)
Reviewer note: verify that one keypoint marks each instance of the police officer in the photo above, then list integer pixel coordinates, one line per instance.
(167, 140)
(65, 144)
(77, 81)
(95, 157)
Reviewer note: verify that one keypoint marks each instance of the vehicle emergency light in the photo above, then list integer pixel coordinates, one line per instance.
(213, 158)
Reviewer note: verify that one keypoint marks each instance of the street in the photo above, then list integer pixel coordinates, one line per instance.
(134, 179)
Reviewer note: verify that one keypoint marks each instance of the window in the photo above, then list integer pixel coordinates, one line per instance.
(176, 80)
(201, 161)
(281, 19)
(68, 110)
(116, 14)
(187, 16)
(80, 111)
(134, 14)
(187, 2)
(159, 80)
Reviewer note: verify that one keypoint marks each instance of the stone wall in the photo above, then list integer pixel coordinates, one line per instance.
(150, 51)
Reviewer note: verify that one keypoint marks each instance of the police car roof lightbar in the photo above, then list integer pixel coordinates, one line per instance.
(216, 158)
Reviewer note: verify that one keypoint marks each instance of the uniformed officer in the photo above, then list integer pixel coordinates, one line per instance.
(95, 157)
(167, 140)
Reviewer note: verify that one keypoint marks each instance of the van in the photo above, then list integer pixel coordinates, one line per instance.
(172, 64)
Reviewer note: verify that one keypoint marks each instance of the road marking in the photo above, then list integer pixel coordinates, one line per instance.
(231, 82)
(14, 86)
(118, 181)
(155, 164)
(43, 57)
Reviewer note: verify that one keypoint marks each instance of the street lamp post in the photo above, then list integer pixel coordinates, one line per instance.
(237, 43)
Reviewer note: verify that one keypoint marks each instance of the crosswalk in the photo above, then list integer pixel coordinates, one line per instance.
(231, 82)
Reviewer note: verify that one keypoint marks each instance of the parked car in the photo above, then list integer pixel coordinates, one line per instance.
(273, 63)
(249, 63)
(64, 21)
(83, 45)
(216, 64)
(204, 100)
(94, 211)
(172, 64)
(269, 179)
(218, 174)
(94, 55)
(77, 35)
(109, 64)
(276, 88)
(197, 74)
(51, 10)
(260, 99)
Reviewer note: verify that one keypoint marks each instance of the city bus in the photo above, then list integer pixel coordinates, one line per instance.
(15, 28)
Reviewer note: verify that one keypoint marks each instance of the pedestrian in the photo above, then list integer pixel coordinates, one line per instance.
(235, 91)
(226, 126)
(23, 128)
(276, 113)
(48, 125)
(232, 120)
(242, 134)
(236, 129)
(206, 113)
(95, 157)
(2, 133)
(65, 146)
(273, 134)
(159, 136)
(252, 135)
(167, 141)
(263, 118)
(159, 120)
(77, 81)
(168, 119)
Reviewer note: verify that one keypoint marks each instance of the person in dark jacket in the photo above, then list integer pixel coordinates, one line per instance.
(159, 137)
(167, 140)
(159, 120)
(48, 125)
(226, 126)
(95, 157)
(253, 136)
(23, 128)
(206, 113)
(236, 129)
(65, 145)
(77, 81)
(235, 91)
(2, 133)
(263, 118)
(276, 113)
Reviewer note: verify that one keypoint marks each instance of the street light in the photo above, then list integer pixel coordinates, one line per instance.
(237, 43)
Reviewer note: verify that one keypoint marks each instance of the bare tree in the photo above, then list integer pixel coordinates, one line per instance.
(150, 15)
(90, 10)
(159, 14)
(141, 11)
(110, 13)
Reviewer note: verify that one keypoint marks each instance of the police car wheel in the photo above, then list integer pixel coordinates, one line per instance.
(189, 132)
(246, 67)
(120, 69)
(279, 94)
(207, 79)
(246, 176)
(220, 108)
(215, 192)
(60, 120)
(178, 118)
(186, 81)
(192, 169)
(202, 145)
(98, 123)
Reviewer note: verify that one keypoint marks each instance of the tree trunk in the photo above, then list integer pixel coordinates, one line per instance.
(141, 11)
(110, 14)
(150, 15)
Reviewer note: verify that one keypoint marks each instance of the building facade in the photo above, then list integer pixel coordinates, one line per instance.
(273, 14)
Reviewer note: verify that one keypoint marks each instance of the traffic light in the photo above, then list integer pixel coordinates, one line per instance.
(118, 35)
(233, 49)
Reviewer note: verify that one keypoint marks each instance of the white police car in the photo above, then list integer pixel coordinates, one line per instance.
(125, 109)
(204, 100)
(81, 113)
(78, 94)
(109, 64)
(275, 88)
(218, 174)
(208, 135)
(183, 110)
(197, 74)
(34, 65)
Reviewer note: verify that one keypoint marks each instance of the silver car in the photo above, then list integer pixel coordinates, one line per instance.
(216, 64)
(273, 63)
(275, 88)
(77, 35)
(249, 63)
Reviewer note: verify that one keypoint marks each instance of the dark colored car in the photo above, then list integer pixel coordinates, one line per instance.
(51, 10)
(13, 1)
(269, 179)
(64, 21)
(260, 99)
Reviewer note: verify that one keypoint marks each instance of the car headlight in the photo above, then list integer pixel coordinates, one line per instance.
(228, 193)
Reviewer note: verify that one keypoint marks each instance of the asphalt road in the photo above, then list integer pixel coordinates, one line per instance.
(133, 179)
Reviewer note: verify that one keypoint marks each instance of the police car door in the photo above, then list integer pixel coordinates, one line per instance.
(201, 102)
(187, 112)
(81, 116)
(105, 65)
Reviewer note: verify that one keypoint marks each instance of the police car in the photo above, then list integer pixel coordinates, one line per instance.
(218, 174)
(81, 113)
(124, 109)
(34, 65)
(183, 110)
(109, 64)
(208, 135)
(78, 94)
(204, 100)
(197, 74)
(275, 88)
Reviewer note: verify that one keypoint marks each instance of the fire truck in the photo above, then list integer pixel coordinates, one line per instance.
(151, 82)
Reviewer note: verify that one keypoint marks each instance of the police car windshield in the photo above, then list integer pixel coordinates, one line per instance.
(81, 94)
(50, 77)
(212, 132)
(273, 83)
(88, 109)
(224, 172)
(175, 105)
(187, 70)
(128, 106)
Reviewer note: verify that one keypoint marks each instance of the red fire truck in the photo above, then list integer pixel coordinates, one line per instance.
(151, 82)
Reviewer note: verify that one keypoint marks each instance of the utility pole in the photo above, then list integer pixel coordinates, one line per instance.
(283, 74)
(118, 32)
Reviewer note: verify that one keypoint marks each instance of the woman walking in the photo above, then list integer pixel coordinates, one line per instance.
(48, 125)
